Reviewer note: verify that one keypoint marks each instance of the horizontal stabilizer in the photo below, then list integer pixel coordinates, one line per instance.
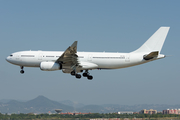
(151, 55)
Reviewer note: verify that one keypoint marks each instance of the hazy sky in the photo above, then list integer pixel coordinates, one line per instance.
(97, 25)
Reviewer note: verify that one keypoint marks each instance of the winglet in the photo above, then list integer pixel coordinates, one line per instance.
(74, 44)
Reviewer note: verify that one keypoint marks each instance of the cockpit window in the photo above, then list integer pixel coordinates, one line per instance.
(11, 55)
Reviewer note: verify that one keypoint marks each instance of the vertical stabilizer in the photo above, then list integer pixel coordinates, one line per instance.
(155, 42)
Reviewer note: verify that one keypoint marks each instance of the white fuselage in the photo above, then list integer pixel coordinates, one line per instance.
(103, 60)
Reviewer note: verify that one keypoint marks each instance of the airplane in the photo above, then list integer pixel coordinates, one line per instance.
(73, 62)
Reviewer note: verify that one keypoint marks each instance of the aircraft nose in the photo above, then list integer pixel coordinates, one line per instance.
(7, 59)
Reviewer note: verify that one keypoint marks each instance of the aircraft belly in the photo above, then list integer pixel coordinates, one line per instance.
(110, 64)
(116, 63)
(31, 64)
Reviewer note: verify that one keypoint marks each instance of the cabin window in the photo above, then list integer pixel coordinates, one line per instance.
(27, 55)
(110, 57)
(49, 56)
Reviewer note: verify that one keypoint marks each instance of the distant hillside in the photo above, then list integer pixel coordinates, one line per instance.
(42, 104)
(92, 109)
(73, 104)
(5, 100)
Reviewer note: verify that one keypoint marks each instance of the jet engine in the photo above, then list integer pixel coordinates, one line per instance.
(50, 66)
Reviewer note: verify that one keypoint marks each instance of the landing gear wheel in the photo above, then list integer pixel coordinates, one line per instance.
(22, 71)
(89, 77)
(85, 74)
(73, 73)
(78, 76)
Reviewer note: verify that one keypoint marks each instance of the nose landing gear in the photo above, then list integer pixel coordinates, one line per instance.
(22, 71)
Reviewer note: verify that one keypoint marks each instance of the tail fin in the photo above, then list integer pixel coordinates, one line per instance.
(155, 42)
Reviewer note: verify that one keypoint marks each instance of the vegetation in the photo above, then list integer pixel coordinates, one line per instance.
(83, 117)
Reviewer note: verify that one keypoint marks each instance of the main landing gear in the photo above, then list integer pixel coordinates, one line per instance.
(22, 71)
(73, 73)
(85, 74)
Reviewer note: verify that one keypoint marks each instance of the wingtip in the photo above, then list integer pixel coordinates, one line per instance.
(74, 44)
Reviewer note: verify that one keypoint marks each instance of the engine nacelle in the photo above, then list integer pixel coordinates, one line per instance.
(50, 66)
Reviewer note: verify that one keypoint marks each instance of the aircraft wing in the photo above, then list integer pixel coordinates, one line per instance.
(69, 57)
